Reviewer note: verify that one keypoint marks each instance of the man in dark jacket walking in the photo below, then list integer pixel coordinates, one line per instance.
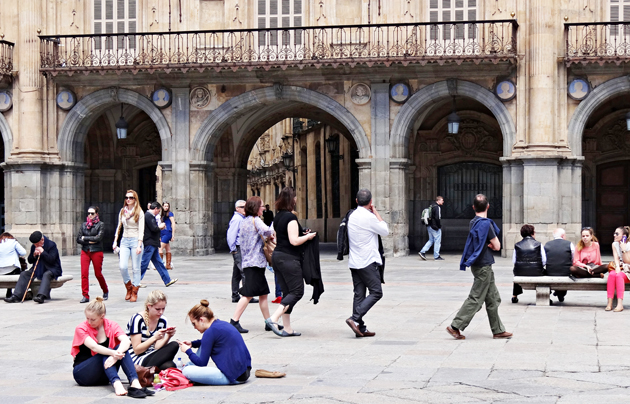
(435, 231)
(151, 242)
(48, 268)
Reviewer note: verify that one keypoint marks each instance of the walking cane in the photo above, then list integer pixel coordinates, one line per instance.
(31, 280)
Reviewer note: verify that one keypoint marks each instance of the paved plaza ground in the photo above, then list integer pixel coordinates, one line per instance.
(573, 352)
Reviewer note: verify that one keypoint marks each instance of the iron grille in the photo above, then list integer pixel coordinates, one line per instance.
(6, 58)
(599, 42)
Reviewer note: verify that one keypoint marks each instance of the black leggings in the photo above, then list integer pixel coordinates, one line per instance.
(163, 357)
(583, 273)
(288, 268)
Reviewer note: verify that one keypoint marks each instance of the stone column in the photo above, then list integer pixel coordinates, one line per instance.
(29, 81)
(512, 203)
(379, 111)
(399, 206)
(202, 196)
(180, 174)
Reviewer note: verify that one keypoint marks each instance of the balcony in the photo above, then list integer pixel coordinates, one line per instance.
(282, 47)
(601, 42)
(6, 58)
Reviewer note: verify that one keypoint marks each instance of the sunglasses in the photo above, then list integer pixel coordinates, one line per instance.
(91, 213)
(240, 207)
(587, 228)
(616, 234)
(130, 197)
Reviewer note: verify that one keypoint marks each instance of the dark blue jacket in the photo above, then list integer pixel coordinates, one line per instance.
(49, 260)
(477, 239)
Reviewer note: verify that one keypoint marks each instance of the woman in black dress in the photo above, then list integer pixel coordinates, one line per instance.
(287, 261)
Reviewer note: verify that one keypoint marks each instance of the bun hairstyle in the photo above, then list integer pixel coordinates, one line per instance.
(201, 310)
(96, 306)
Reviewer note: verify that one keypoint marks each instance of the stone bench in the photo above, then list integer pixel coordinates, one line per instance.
(9, 282)
(544, 284)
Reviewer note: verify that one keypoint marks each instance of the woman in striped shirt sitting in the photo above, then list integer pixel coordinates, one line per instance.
(150, 334)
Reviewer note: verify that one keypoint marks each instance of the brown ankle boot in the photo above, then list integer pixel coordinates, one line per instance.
(162, 256)
(168, 261)
(134, 293)
(128, 286)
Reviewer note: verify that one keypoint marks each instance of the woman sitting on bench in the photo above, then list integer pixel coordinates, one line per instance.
(10, 253)
(618, 277)
(587, 262)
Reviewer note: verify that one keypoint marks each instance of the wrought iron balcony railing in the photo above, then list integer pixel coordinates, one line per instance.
(6, 58)
(600, 42)
(281, 47)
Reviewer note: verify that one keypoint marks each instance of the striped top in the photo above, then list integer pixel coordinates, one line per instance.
(137, 325)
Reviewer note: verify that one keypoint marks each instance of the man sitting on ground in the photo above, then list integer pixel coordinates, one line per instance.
(44, 253)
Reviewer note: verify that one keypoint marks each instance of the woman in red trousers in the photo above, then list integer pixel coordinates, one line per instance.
(91, 239)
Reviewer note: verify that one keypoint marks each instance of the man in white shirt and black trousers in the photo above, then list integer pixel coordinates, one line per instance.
(364, 260)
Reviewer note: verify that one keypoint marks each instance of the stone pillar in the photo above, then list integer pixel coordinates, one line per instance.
(543, 192)
(201, 207)
(541, 55)
(180, 171)
(29, 81)
(399, 206)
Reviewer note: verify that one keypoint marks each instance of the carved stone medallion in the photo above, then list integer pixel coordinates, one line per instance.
(360, 94)
(199, 97)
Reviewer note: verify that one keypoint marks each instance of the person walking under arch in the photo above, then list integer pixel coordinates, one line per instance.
(167, 234)
(131, 219)
(435, 231)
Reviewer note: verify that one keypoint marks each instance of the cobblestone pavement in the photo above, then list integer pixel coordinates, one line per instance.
(573, 352)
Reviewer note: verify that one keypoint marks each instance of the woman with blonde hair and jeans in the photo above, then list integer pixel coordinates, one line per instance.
(150, 334)
(131, 218)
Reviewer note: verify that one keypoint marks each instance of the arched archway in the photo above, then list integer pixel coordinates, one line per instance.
(76, 125)
(418, 104)
(602, 93)
(411, 116)
(213, 127)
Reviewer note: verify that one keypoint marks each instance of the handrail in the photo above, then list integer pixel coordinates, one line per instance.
(281, 47)
(6, 57)
(597, 42)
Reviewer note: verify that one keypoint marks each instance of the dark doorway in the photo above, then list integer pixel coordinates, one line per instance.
(146, 186)
(612, 200)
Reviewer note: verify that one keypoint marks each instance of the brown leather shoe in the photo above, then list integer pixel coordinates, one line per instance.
(454, 333)
(168, 261)
(134, 293)
(128, 286)
(354, 327)
(367, 333)
(503, 335)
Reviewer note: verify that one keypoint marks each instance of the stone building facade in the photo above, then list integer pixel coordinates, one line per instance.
(540, 88)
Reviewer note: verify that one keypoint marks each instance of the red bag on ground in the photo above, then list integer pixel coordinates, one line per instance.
(173, 379)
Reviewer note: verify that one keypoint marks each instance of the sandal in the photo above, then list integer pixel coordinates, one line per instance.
(293, 334)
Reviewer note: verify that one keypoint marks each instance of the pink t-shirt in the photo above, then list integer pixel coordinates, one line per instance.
(588, 255)
(83, 330)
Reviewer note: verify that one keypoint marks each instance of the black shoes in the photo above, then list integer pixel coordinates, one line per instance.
(514, 299)
(254, 300)
(12, 299)
(85, 300)
(105, 296)
(238, 327)
(424, 257)
(267, 328)
(134, 392)
(235, 299)
(39, 299)
(9, 293)
(439, 258)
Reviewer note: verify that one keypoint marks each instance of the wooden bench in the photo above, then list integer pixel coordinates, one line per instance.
(543, 285)
(9, 282)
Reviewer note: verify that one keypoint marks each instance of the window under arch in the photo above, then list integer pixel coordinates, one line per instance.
(459, 183)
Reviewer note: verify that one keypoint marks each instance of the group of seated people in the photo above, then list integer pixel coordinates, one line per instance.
(100, 347)
(560, 257)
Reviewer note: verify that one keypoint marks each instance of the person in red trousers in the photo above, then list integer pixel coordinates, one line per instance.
(91, 239)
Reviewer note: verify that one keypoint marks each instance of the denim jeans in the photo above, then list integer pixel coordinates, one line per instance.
(152, 254)
(128, 247)
(205, 375)
(435, 238)
(92, 372)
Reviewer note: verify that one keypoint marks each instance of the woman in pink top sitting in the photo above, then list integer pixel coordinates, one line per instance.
(587, 260)
(618, 277)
